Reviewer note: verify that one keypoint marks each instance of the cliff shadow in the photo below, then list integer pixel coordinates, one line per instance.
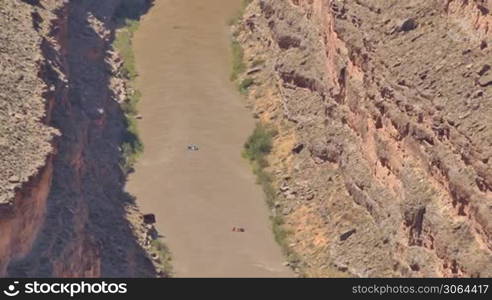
(87, 232)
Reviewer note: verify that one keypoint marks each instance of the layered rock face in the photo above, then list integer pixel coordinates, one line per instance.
(383, 108)
(64, 211)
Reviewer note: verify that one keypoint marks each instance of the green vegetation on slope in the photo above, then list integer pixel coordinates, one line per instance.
(126, 18)
(259, 145)
(238, 65)
(245, 85)
(132, 145)
(123, 42)
(256, 149)
(162, 252)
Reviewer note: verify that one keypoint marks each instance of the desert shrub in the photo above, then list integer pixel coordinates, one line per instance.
(259, 144)
(245, 85)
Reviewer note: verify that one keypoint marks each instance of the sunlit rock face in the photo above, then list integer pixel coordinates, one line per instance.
(383, 111)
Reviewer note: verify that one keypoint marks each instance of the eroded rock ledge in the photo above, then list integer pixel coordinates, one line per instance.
(383, 110)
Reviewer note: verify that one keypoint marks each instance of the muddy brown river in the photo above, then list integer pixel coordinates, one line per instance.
(183, 58)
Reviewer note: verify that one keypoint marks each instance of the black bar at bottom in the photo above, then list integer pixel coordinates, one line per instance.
(140, 289)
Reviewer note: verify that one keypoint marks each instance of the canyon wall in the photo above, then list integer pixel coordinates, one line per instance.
(26, 167)
(63, 208)
(383, 111)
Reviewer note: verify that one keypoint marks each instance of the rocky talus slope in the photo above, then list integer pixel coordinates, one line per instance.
(63, 211)
(384, 112)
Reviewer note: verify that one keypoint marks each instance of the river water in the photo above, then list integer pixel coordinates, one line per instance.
(183, 58)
